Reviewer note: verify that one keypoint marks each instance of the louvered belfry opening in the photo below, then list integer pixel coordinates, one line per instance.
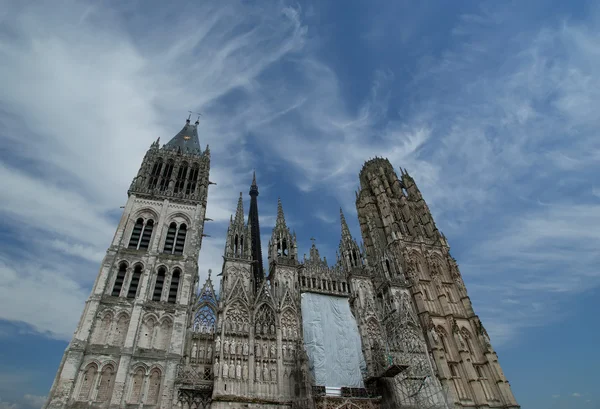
(180, 240)
(135, 282)
(137, 232)
(174, 286)
(119, 280)
(160, 282)
(146, 235)
(170, 240)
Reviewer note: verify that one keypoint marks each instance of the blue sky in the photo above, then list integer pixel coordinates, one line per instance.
(491, 106)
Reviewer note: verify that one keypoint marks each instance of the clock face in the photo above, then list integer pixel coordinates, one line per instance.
(187, 137)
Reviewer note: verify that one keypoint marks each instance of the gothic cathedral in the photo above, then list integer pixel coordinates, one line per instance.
(388, 325)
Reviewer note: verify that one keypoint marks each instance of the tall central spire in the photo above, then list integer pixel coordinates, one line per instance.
(257, 266)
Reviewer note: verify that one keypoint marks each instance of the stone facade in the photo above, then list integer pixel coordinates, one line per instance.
(147, 339)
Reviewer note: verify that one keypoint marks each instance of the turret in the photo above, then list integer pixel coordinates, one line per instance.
(237, 240)
(349, 253)
(282, 246)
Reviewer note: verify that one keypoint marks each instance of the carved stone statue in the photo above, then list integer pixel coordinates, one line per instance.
(257, 349)
(461, 340)
(231, 369)
(226, 346)
(209, 353)
(257, 371)
(284, 351)
(238, 348)
(284, 332)
(225, 370)
(245, 349)
(273, 351)
(232, 347)
(218, 343)
(295, 332)
(245, 371)
(238, 370)
(265, 350)
(201, 354)
(265, 372)
(272, 329)
(264, 329)
(216, 368)
(194, 350)
(434, 335)
(273, 373)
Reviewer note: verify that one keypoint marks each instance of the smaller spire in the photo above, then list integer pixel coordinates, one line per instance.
(239, 214)
(280, 217)
(345, 229)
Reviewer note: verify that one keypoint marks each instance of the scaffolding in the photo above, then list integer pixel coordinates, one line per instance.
(402, 365)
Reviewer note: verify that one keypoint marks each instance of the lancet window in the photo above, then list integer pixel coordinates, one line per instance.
(174, 287)
(153, 387)
(155, 174)
(175, 239)
(105, 385)
(166, 175)
(204, 320)
(192, 180)
(289, 325)
(119, 280)
(141, 234)
(135, 281)
(181, 175)
(158, 285)
(137, 385)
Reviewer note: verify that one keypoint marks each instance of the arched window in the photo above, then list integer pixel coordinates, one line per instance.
(354, 259)
(235, 245)
(166, 176)
(388, 266)
(155, 173)
(170, 241)
(180, 182)
(284, 247)
(135, 281)
(241, 245)
(88, 381)
(192, 179)
(164, 335)
(102, 329)
(105, 386)
(174, 286)
(119, 280)
(146, 235)
(141, 234)
(153, 387)
(147, 333)
(137, 386)
(158, 286)
(180, 239)
(136, 233)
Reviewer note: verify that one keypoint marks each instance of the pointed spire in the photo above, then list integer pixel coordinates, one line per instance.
(280, 216)
(254, 179)
(345, 229)
(239, 214)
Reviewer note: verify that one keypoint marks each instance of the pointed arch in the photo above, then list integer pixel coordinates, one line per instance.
(236, 317)
(155, 173)
(137, 385)
(264, 319)
(174, 285)
(135, 280)
(181, 175)
(88, 380)
(159, 283)
(163, 335)
(118, 284)
(166, 175)
(106, 383)
(147, 331)
(102, 327)
(289, 324)
(120, 330)
(180, 239)
(192, 179)
(154, 381)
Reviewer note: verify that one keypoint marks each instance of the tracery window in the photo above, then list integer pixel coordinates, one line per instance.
(88, 381)
(155, 174)
(265, 318)
(158, 285)
(289, 324)
(204, 321)
(174, 287)
(192, 180)
(135, 281)
(119, 280)
(181, 174)
(236, 318)
(166, 176)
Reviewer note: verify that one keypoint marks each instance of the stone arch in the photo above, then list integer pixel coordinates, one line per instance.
(236, 317)
(138, 376)
(154, 381)
(178, 217)
(265, 317)
(144, 213)
(119, 331)
(106, 381)
(288, 322)
(147, 330)
(163, 334)
(421, 266)
(102, 327)
(87, 381)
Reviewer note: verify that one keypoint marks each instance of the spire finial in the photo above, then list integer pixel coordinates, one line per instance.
(254, 177)
(209, 273)
(239, 214)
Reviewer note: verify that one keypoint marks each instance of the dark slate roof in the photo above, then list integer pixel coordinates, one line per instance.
(186, 139)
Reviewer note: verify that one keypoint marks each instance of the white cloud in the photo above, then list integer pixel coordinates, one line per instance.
(34, 400)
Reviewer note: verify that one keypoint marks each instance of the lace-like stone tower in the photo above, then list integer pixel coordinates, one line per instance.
(131, 336)
(402, 242)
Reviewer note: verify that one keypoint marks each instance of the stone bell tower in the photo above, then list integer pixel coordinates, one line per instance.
(130, 337)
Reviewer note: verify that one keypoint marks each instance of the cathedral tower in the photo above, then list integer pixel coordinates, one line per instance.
(130, 338)
(407, 251)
